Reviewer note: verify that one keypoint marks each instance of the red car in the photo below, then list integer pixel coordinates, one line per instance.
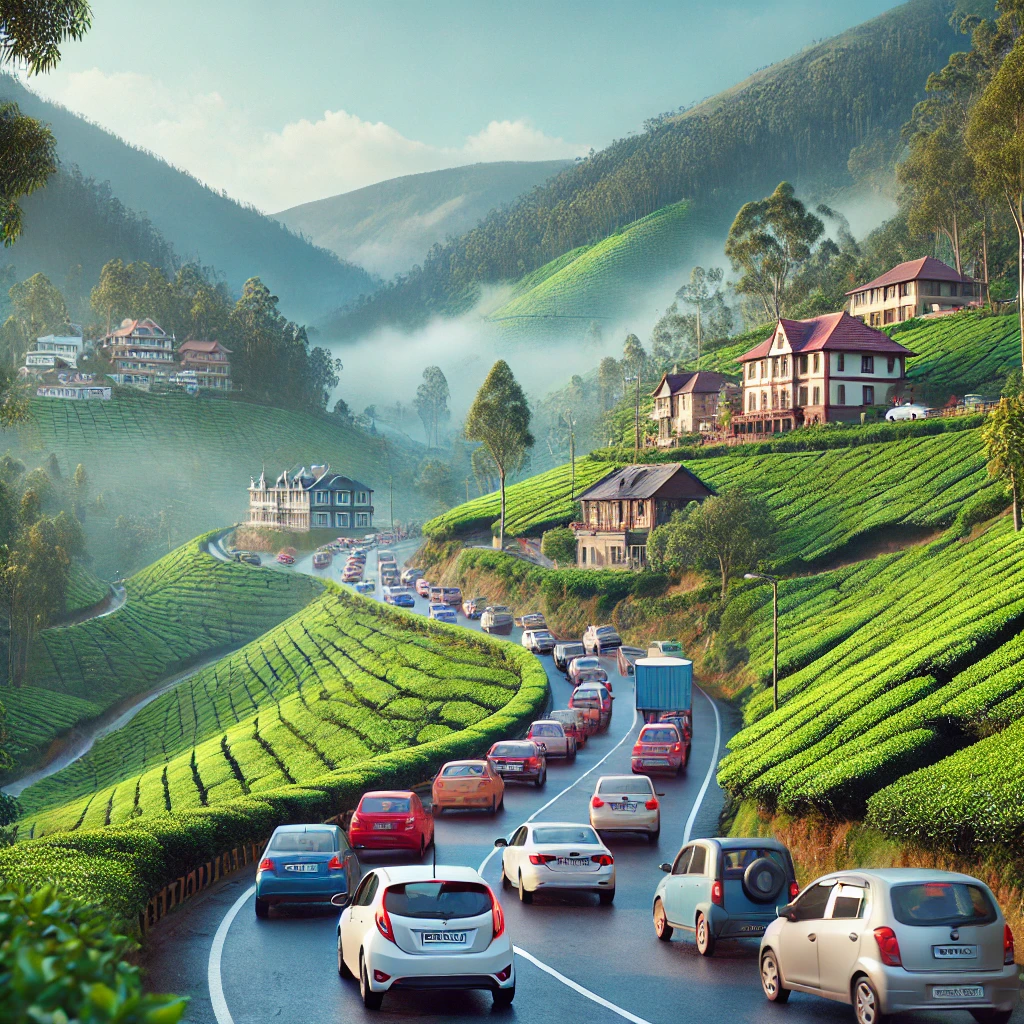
(391, 820)
(658, 748)
(520, 760)
(683, 721)
(422, 587)
(593, 697)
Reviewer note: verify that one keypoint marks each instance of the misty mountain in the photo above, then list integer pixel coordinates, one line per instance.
(390, 226)
(798, 120)
(200, 224)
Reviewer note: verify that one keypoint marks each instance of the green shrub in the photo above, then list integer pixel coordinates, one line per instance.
(559, 545)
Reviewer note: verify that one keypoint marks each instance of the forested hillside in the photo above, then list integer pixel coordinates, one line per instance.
(202, 225)
(388, 227)
(797, 120)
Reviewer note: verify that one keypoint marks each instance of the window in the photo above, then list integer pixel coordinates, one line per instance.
(751, 367)
(953, 904)
(699, 861)
(841, 361)
(810, 904)
(816, 396)
(341, 520)
(763, 369)
(323, 497)
(867, 364)
(890, 364)
(803, 364)
(752, 402)
(869, 394)
(362, 498)
(366, 891)
(682, 864)
(362, 519)
(784, 399)
(816, 362)
(785, 364)
(778, 340)
(583, 559)
(775, 366)
(342, 497)
(322, 518)
(848, 902)
(764, 399)
(802, 396)
(841, 395)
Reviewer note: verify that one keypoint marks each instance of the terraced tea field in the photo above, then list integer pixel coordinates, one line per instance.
(84, 589)
(339, 683)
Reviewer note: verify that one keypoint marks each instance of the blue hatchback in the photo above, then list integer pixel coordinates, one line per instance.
(305, 864)
(724, 888)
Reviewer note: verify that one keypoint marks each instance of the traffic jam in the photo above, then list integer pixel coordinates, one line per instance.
(881, 941)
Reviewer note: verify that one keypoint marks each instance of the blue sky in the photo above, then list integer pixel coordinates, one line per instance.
(333, 96)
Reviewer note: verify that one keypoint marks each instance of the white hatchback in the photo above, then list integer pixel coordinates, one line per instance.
(544, 855)
(425, 928)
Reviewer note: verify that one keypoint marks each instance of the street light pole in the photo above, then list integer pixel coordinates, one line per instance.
(775, 631)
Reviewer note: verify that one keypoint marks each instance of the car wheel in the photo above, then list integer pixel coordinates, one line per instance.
(262, 908)
(572, 754)
(771, 979)
(504, 996)
(705, 940)
(654, 836)
(866, 1004)
(435, 810)
(661, 926)
(371, 999)
(423, 846)
(506, 882)
(607, 896)
(342, 966)
(524, 895)
(541, 779)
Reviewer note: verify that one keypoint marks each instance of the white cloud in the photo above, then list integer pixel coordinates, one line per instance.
(305, 160)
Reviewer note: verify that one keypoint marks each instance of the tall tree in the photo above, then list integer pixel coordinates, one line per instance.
(499, 419)
(700, 294)
(431, 403)
(609, 380)
(1003, 434)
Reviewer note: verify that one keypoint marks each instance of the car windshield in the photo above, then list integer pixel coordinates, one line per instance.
(512, 750)
(658, 736)
(942, 903)
(605, 629)
(588, 662)
(671, 647)
(384, 805)
(626, 786)
(451, 592)
(735, 862)
(463, 771)
(440, 900)
(320, 841)
(571, 834)
(568, 649)
(546, 730)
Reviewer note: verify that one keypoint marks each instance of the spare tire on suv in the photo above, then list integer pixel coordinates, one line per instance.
(763, 880)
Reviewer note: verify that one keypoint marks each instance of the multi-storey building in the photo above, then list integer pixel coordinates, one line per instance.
(53, 352)
(688, 403)
(208, 360)
(915, 288)
(310, 499)
(824, 370)
(141, 351)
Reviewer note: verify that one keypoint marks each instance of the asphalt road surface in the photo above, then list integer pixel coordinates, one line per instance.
(576, 960)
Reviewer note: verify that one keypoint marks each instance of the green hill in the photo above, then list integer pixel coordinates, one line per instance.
(390, 226)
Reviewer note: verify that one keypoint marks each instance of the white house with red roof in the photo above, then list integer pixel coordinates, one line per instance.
(825, 370)
(208, 360)
(142, 352)
(915, 288)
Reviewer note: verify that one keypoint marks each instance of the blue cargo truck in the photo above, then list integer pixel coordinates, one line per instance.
(664, 693)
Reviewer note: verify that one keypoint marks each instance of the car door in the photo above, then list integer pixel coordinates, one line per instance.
(512, 854)
(698, 884)
(354, 920)
(673, 891)
(798, 953)
(424, 822)
(839, 936)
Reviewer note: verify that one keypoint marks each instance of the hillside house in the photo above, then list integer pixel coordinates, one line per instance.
(141, 351)
(621, 509)
(825, 370)
(688, 403)
(52, 352)
(303, 499)
(915, 288)
(208, 360)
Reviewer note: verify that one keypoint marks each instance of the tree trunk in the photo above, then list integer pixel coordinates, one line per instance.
(1016, 502)
(1020, 280)
(984, 254)
(501, 528)
(955, 241)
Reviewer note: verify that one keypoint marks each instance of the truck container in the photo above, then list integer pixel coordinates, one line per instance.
(664, 684)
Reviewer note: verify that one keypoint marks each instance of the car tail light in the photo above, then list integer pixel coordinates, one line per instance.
(717, 896)
(541, 858)
(384, 924)
(533, 762)
(677, 748)
(266, 864)
(410, 823)
(604, 859)
(497, 918)
(888, 947)
(483, 784)
(380, 977)
(596, 801)
(794, 890)
(652, 804)
(505, 974)
(334, 864)
(1008, 950)
(638, 748)
(355, 821)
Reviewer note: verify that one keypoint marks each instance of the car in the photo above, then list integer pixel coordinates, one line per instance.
(573, 722)
(401, 597)
(497, 618)
(365, 586)
(442, 613)
(386, 556)
(473, 607)
(540, 641)
(659, 747)
(907, 411)
(626, 803)
(422, 587)
(598, 639)
(285, 558)
(352, 574)
(356, 558)
(389, 576)
(521, 760)
(305, 864)
(419, 927)
(467, 784)
(322, 559)
(410, 576)
(683, 721)
(386, 538)
(552, 738)
(893, 940)
(665, 649)
(533, 620)
(587, 669)
(625, 659)
(250, 558)
(451, 596)
(593, 697)
(565, 652)
(557, 855)
(391, 820)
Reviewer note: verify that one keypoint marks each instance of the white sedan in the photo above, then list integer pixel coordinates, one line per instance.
(425, 928)
(626, 803)
(557, 855)
(907, 411)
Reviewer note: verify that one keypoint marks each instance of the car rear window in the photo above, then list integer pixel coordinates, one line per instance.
(587, 662)
(384, 805)
(586, 699)
(320, 841)
(942, 903)
(735, 862)
(512, 750)
(659, 736)
(566, 834)
(626, 786)
(571, 649)
(455, 771)
(546, 730)
(444, 900)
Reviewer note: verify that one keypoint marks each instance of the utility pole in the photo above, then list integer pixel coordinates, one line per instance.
(572, 454)
(775, 631)
(636, 442)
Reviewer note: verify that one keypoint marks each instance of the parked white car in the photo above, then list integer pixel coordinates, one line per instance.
(557, 855)
(425, 928)
(894, 940)
(907, 411)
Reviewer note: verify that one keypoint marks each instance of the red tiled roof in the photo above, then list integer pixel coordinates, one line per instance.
(701, 381)
(927, 268)
(203, 346)
(832, 331)
(129, 327)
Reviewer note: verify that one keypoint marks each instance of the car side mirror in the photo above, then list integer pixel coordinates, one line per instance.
(789, 913)
(665, 867)
(501, 842)
(659, 794)
(339, 899)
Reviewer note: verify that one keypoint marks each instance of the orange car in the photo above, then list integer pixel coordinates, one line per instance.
(468, 784)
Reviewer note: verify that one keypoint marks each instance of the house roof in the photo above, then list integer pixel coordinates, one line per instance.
(319, 478)
(639, 482)
(927, 268)
(143, 328)
(834, 331)
(203, 346)
(700, 381)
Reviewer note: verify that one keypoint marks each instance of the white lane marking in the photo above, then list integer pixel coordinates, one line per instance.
(213, 978)
(711, 770)
(576, 987)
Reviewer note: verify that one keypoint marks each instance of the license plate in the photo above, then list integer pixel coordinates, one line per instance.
(449, 938)
(655, 762)
(573, 862)
(958, 991)
(955, 952)
(752, 928)
(510, 767)
(382, 826)
(305, 869)
(630, 807)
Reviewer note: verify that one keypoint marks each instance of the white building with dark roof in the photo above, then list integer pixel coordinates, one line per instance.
(915, 288)
(304, 499)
